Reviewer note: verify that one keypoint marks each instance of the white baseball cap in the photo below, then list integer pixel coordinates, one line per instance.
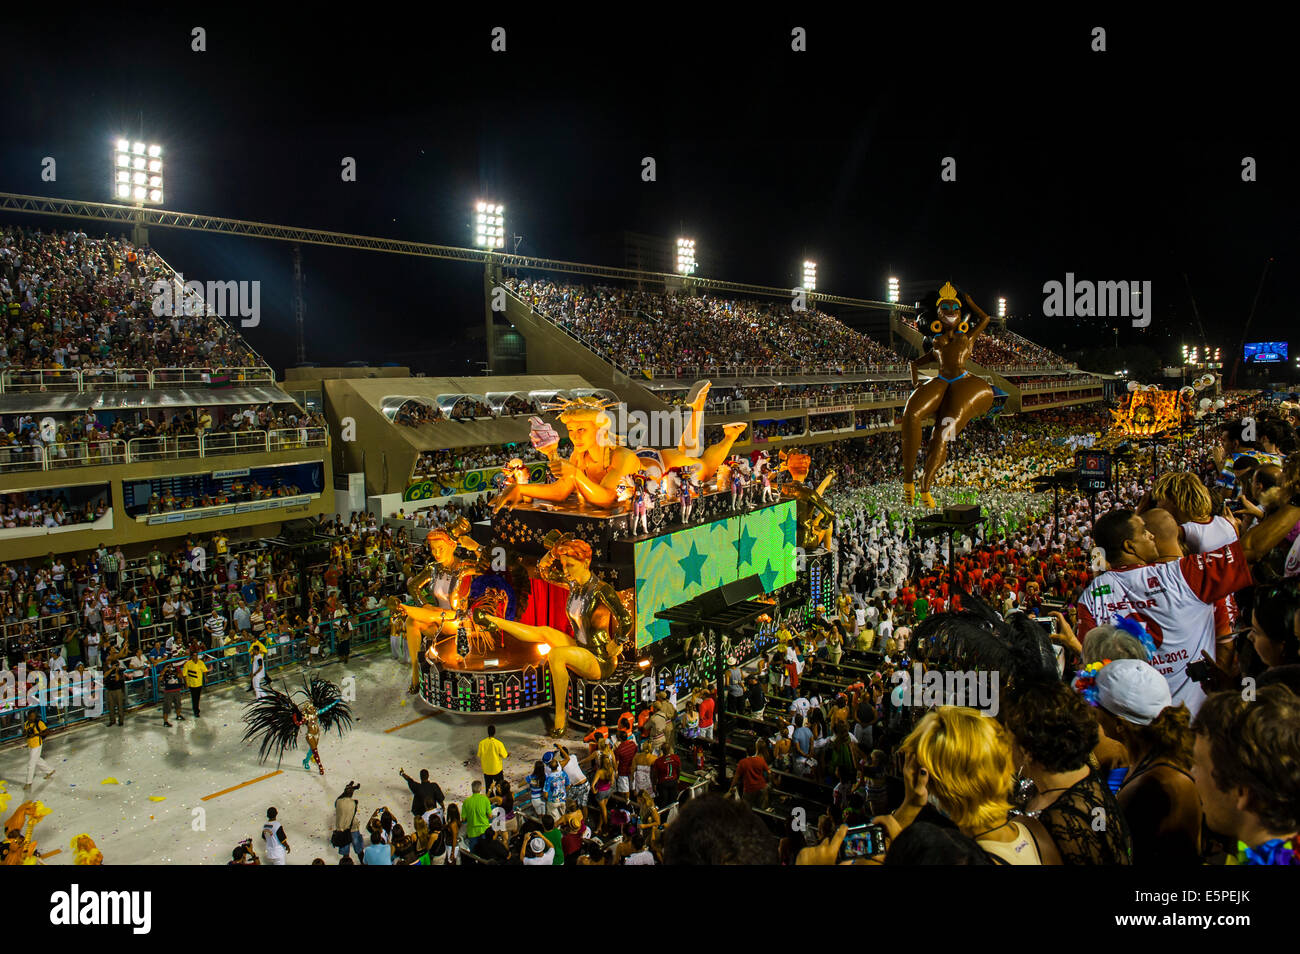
(1132, 690)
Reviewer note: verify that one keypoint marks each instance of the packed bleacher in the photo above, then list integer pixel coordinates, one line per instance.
(638, 330)
(68, 301)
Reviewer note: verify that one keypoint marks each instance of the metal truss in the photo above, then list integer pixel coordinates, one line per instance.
(161, 218)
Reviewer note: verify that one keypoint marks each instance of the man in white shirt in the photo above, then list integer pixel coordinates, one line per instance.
(1173, 600)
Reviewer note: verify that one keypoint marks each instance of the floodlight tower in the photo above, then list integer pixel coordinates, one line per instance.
(138, 179)
(489, 232)
(1002, 308)
(895, 291)
(685, 256)
(809, 276)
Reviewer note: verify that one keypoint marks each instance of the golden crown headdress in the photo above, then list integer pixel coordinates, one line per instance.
(948, 293)
(587, 402)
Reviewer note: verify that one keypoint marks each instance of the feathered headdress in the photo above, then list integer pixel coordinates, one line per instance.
(277, 718)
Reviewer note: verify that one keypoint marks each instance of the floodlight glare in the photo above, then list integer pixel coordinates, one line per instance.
(1002, 307)
(810, 276)
(895, 295)
(138, 170)
(489, 223)
(686, 256)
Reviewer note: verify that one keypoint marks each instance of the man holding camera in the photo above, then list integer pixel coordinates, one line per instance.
(347, 822)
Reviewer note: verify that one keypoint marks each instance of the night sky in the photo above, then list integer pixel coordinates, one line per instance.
(1117, 165)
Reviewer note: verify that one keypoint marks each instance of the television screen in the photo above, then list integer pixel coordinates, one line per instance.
(1266, 352)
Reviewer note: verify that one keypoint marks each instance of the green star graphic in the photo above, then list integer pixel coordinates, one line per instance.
(789, 528)
(744, 545)
(691, 565)
(768, 576)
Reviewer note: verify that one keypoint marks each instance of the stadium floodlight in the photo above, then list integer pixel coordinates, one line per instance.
(809, 276)
(686, 256)
(895, 295)
(138, 172)
(489, 224)
(1002, 307)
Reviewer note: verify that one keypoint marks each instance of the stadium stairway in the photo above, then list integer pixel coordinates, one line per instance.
(552, 351)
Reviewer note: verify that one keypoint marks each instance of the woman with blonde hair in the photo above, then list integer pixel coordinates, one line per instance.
(960, 761)
(1184, 495)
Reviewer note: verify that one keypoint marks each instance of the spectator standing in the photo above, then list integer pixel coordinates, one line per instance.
(276, 845)
(347, 811)
(34, 732)
(624, 755)
(476, 813)
(491, 757)
(115, 689)
(172, 681)
(1245, 758)
(195, 670)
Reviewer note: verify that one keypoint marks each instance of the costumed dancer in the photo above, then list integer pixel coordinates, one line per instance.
(277, 719)
(953, 397)
(737, 485)
(598, 618)
(765, 479)
(686, 493)
(640, 504)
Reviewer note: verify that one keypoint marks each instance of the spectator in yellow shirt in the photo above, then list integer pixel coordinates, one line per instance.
(491, 754)
(194, 670)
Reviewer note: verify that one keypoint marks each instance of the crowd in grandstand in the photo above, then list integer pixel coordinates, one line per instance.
(68, 301)
(638, 330)
(48, 509)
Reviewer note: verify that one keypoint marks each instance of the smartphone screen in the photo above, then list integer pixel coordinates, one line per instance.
(862, 841)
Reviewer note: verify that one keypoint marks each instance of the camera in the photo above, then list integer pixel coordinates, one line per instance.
(862, 841)
(1199, 671)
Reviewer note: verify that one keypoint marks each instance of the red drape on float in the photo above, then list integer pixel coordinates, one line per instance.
(546, 606)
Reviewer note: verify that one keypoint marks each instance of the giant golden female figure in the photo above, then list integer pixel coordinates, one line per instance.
(953, 397)
(598, 473)
(598, 618)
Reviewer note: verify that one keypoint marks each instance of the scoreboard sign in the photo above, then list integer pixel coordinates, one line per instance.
(1094, 470)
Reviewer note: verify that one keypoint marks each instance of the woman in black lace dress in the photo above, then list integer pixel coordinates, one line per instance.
(1055, 733)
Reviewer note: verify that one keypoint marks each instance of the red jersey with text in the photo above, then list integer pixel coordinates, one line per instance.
(1174, 601)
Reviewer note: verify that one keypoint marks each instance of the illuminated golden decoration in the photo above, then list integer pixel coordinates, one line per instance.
(598, 617)
(810, 508)
(1150, 413)
(600, 466)
(948, 293)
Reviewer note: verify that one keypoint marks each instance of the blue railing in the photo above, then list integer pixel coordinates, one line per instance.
(223, 666)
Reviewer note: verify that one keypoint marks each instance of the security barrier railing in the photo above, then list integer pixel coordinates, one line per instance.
(225, 664)
(19, 380)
